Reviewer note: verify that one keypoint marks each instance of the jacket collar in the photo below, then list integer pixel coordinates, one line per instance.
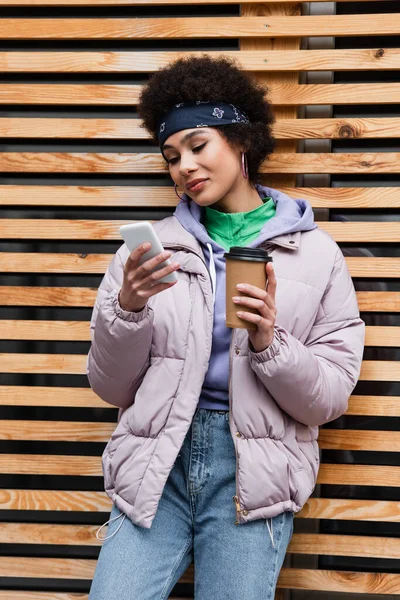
(173, 234)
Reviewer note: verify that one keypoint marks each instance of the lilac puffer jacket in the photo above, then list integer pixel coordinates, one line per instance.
(152, 364)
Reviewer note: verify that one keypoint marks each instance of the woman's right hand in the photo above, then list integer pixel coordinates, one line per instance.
(139, 282)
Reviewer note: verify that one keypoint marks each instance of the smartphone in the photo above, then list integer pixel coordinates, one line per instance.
(135, 234)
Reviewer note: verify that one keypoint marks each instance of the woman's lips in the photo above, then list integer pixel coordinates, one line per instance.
(198, 186)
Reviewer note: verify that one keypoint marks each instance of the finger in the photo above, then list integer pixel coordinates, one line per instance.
(257, 292)
(154, 277)
(271, 285)
(259, 305)
(148, 266)
(155, 289)
(252, 318)
(136, 254)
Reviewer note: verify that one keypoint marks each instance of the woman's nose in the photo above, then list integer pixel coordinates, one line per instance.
(187, 164)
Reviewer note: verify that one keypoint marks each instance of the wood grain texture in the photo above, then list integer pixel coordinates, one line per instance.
(93, 3)
(55, 431)
(128, 95)
(329, 474)
(199, 27)
(350, 510)
(130, 129)
(163, 196)
(77, 331)
(262, 60)
(78, 229)
(58, 296)
(353, 439)
(301, 543)
(74, 397)
(75, 364)
(74, 431)
(152, 163)
(380, 406)
(380, 476)
(339, 581)
(75, 501)
(43, 262)
(54, 500)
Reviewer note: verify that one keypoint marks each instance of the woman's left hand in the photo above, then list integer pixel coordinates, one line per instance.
(264, 302)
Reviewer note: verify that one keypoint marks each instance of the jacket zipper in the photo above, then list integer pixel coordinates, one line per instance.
(236, 497)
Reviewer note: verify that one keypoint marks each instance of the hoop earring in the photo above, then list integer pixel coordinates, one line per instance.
(245, 168)
(176, 192)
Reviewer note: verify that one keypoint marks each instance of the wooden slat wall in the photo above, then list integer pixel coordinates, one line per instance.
(75, 164)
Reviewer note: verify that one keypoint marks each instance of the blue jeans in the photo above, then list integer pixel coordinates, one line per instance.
(195, 522)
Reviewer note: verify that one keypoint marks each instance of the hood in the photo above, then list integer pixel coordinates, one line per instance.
(292, 216)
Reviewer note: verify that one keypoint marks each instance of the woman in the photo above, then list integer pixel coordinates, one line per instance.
(215, 448)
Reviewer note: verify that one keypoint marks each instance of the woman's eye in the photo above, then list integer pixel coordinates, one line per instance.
(174, 160)
(197, 148)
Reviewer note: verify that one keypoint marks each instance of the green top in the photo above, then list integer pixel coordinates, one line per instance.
(237, 229)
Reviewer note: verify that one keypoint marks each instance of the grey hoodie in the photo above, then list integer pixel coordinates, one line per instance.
(291, 216)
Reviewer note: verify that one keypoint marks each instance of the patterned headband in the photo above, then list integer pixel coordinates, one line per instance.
(188, 115)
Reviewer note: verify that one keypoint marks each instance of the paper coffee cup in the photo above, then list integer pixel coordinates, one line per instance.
(243, 265)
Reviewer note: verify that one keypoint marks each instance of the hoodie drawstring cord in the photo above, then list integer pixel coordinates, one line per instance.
(213, 273)
(107, 537)
(271, 531)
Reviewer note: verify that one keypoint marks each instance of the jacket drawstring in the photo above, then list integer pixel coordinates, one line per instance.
(107, 537)
(271, 531)
(213, 273)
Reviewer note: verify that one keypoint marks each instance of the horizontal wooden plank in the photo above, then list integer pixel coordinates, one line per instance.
(78, 229)
(93, 3)
(344, 545)
(121, 129)
(301, 543)
(55, 431)
(76, 501)
(128, 95)
(379, 406)
(72, 431)
(58, 296)
(45, 568)
(163, 196)
(380, 370)
(73, 331)
(329, 474)
(54, 500)
(199, 27)
(32, 262)
(38, 464)
(347, 439)
(351, 128)
(48, 296)
(76, 331)
(369, 475)
(149, 62)
(125, 162)
(75, 364)
(71, 568)
(350, 510)
(339, 581)
(69, 364)
(382, 336)
(300, 579)
(74, 397)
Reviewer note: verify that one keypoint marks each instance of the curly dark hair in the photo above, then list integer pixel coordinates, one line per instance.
(213, 79)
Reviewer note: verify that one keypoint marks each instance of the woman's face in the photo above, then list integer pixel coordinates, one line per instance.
(202, 153)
